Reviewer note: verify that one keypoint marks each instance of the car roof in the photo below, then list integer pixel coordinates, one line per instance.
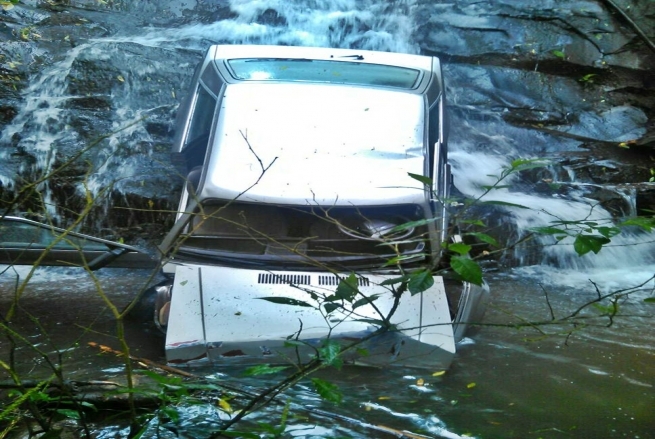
(342, 138)
(324, 143)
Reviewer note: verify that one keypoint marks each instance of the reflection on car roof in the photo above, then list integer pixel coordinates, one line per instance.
(330, 144)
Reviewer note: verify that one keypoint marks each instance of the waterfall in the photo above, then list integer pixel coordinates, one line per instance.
(43, 124)
(479, 148)
(628, 259)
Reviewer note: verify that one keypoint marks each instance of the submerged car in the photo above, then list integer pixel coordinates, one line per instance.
(315, 208)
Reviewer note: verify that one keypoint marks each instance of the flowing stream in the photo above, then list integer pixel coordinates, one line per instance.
(585, 381)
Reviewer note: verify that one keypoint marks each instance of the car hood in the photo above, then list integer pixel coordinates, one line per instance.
(217, 310)
(328, 144)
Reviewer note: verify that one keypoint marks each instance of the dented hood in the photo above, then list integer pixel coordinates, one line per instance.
(219, 314)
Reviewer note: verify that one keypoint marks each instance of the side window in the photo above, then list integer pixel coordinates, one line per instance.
(197, 137)
(433, 126)
(203, 113)
(433, 136)
(439, 167)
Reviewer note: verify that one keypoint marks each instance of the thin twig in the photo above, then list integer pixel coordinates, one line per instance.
(550, 307)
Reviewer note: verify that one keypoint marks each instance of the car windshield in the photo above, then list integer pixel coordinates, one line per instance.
(304, 236)
(340, 72)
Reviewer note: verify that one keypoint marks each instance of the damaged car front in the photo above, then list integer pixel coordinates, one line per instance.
(314, 209)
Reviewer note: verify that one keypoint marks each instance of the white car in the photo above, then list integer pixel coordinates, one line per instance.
(315, 208)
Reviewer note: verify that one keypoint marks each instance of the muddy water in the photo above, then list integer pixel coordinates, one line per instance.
(587, 381)
(61, 310)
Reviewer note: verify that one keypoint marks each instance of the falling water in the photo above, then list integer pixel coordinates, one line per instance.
(41, 125)
(628, 260)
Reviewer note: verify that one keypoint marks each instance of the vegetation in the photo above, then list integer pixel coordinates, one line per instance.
(7, 4)
(46, 405)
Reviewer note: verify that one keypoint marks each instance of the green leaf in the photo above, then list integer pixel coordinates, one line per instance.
(608, 232)
(410, 224)
(365, 300)
(647, 224)
(327, 390)
(330, 353)
(649, 300)
(170, 412)
(422, 178)
(548, 231)
(474, 222)
(526, 164)
(612, 308)
(503, 203)
(268, 428)
(263, 369)
(484, 238)
(587, 77)
(289, 343)
(589, 243)
(459, 248)
(394, 281)
(347, 288)
(559, 54)
(420, 281)
(69, 413)
(88, 405)
(330, 307)
(467, 268)
(286, 301)
(404, 258)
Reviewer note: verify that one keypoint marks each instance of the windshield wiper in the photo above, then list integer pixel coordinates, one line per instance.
(356, 57)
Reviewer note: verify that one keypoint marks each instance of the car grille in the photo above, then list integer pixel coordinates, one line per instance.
(305, 279)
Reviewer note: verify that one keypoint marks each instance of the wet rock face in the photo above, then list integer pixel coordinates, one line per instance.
(585, 33)
(544, 61)
(571, 81)
(563, 79)
(90, 89)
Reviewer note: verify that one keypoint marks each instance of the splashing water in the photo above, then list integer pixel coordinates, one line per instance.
(628, 260)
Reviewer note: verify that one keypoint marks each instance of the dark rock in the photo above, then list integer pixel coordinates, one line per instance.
(645, 199)
(271, 17)
(159, 129)
(95, 77)
(89, 103)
